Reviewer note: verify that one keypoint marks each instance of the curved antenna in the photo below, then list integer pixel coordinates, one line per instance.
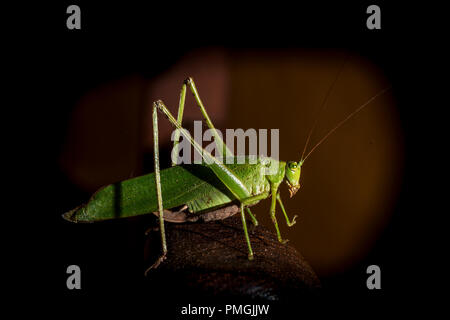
(345, 120)
(322, 107)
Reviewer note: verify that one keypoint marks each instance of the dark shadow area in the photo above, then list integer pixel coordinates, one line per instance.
(117, 199)
(119, 40)
(209, 261)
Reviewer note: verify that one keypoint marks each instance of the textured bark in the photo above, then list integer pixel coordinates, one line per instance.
(209, 261)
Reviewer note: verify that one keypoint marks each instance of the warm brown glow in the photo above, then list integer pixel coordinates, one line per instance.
(349, 184)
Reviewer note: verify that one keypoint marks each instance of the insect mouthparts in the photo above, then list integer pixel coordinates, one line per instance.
(292, 189)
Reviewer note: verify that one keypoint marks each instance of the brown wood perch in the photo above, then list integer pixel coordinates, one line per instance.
(209, 261)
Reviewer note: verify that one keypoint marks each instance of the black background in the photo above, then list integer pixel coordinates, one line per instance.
(116, 39)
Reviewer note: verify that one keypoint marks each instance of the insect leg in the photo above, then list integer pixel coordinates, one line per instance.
(179, 120)
(289, 223)
(158, 191)
(252, 200)
(219, 142)
(272, 213)
(252, 216)
(228, 178)
(244, 224)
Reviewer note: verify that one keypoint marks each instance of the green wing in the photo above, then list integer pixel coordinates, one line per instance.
(180, 185)
(194, 185)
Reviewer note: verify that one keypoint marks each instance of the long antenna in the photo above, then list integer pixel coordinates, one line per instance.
(345, 120)
(324, 102)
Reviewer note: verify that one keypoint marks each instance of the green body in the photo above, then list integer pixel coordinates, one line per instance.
(203, 188)
(193, 185)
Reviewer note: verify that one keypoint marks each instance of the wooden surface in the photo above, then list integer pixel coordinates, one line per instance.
(208, 261)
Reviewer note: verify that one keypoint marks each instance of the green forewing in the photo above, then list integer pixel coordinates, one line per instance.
(194, 185)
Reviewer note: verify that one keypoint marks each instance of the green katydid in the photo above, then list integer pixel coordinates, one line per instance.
(212, 189)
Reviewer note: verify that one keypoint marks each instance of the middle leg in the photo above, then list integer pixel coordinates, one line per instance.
(273, 211)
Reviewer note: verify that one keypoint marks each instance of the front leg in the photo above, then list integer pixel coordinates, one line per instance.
(289, 223)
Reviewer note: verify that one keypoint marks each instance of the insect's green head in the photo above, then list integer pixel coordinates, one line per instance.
(293, 170)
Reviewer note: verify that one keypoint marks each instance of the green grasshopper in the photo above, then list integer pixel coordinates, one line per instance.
(211, 190)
